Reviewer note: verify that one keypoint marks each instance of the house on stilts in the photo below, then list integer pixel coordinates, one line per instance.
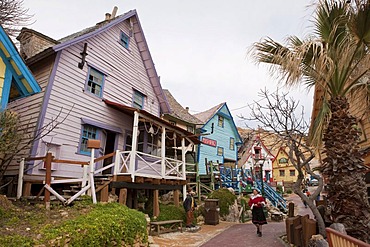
(101, 84)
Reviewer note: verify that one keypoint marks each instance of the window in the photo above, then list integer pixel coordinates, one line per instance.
(220, 151)
(292, 173)
(232, 143)
(221, 121)
(283, 160)
(173, 123)
(190, 128)
(138, 100)
(124, 40)
(282, 173)
(88, 132)
(95, 82)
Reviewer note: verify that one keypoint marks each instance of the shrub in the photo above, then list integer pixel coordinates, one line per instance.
(226, 199)
(171, 212)
(106, 225)
(289, 191)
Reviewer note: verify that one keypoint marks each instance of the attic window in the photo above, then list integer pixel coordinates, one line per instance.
(124, 40)
(221, 121)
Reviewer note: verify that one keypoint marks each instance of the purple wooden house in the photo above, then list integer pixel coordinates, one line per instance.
(101, 83)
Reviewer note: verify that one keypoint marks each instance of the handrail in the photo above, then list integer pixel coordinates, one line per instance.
(336, 238)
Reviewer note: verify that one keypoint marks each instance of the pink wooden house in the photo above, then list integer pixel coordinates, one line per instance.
(101, 83)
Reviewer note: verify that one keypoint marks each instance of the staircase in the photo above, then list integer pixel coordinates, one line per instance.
(275, 198)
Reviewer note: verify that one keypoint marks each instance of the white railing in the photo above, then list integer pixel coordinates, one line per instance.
(147, 165)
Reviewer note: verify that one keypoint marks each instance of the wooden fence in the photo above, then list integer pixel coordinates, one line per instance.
(337, 239)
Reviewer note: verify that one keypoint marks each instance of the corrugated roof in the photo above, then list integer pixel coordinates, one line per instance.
(179, 112)
(206, 115)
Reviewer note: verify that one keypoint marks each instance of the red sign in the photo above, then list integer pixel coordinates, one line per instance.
(209, 142)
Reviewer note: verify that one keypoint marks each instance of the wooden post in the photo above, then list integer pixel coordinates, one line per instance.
(129, 198)
(92, 182)
(199, 190)
(135, 132)
(134, 199)
(104, 194)
(309, 229)
(291, 209)
(176, 198)
(155, 203)
(183, 157)
(163, 152)
(27, 189)
(122, 196)
(47, 161)
(212, 176)
(20, 179)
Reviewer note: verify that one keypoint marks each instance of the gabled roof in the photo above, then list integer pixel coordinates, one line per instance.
(178, 112)
(139, 38)
(281, 150)
(258, 138)
(207, 115)
(15, 77)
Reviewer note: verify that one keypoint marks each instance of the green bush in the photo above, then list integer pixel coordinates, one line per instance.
(16, 241)
(105, 225)
(226, 199)
(289, 191)
(171, 212)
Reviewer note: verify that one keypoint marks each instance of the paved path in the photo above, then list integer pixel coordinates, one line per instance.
(244, 235)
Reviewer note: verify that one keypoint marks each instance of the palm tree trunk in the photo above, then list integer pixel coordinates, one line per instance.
(344, 169)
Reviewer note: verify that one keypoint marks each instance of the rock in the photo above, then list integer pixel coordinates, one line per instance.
(112, 197)
(318, 241)
(338, 227)
(233, 215)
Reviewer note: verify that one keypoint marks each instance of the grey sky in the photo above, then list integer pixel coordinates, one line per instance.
(198, 46)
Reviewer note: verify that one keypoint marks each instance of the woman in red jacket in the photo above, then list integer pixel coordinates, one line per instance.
(256, 203)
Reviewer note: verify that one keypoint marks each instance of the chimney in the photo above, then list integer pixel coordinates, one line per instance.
(114, 12)
(187, 109)
(33, 42)
(107, 16)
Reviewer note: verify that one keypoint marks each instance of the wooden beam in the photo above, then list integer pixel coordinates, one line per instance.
(176, 197)
(27, 189)
(123, 178)
(48, 159)
(139, 180)
(104, 194)
(122, 196)
(155, 203)
(145, 186)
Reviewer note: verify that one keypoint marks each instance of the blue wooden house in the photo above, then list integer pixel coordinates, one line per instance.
(219, 137)
(16, 81)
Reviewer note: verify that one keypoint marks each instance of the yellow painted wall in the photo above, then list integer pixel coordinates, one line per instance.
(2, 76)
(276, 167)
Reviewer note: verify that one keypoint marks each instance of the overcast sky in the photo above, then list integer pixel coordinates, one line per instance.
(199, 47)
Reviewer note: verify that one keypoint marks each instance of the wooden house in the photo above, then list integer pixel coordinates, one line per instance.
(101, 83)
(16, 81)
(219, 138)
(256, 155)
(282, 169)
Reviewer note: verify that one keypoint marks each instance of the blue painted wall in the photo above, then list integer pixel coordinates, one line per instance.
(222, 136)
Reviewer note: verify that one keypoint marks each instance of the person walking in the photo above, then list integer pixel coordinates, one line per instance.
(256, 203)
(189, 206)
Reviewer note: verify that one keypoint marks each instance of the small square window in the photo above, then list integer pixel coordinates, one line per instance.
(138, 100)
(221, 121)
(124, 40)
(232, 143)
(190, 129)
(88, 132)
(220, 151)
(292, 173)
(95, 82)
(282, 173)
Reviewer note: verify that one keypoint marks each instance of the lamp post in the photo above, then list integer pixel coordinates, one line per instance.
(260, 161)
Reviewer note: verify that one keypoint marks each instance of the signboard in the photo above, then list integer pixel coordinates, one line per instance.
(209, 142)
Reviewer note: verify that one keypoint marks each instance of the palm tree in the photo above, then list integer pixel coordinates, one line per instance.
(335, 59)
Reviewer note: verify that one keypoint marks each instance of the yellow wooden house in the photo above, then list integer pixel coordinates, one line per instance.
(282, 169)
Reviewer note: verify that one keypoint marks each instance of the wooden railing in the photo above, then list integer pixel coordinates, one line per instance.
(337, 239)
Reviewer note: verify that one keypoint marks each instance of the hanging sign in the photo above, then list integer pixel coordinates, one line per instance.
(209, 142)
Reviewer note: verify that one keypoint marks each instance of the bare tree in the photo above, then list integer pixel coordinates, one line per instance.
(15, 136)
(280, 115)
(13, 16)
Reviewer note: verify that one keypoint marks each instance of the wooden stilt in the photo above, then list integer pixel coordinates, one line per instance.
(122, 196)
(48, 159)
(176, 198)
(155, 203)
(104, 193)
(129, 198)
(27, 188)
(134, 198)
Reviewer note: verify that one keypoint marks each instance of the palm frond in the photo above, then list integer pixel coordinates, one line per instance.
(320, 123)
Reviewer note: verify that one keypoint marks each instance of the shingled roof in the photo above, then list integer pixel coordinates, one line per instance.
(177, 111)
(206, 115)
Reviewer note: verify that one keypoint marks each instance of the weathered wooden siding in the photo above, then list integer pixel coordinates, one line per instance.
(124, 72)
(29, 109)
